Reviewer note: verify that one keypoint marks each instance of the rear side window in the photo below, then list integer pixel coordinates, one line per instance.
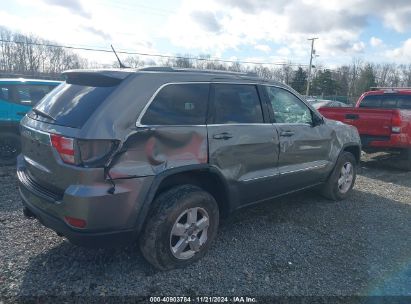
(371, 101)
(178, 104)
(236, 103)
(31, 94)
(404, 102)
(5, 93)
(71, 105)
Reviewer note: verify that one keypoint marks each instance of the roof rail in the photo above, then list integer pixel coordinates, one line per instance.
(389, 88)
(205, 71)
(157, 69)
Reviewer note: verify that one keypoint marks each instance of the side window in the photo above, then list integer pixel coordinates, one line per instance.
(287, 107)
(236, 103)
(5, 93)
(31, 94)
(178, 104)
(404, 102)
(371, 101)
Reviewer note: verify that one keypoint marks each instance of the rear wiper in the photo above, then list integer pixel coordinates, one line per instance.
(41, 113)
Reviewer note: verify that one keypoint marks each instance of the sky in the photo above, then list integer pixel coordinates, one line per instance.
(271, 31)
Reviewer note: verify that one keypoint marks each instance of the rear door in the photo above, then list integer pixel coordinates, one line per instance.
(242, 142)
(304, 147)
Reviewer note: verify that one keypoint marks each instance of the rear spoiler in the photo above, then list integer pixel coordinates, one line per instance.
(95, 78)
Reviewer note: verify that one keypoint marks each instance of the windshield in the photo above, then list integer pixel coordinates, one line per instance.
(70, 104)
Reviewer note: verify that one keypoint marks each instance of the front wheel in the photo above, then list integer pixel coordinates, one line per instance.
(9, 148)
(180, 227)
(342, 179)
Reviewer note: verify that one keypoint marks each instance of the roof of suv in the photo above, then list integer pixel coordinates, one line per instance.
(209, 74)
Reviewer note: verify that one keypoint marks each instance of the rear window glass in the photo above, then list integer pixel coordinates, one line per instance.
(178, 104)
(387, 101)
(71, 104)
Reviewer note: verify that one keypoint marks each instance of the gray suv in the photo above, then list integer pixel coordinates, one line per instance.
(158, 155)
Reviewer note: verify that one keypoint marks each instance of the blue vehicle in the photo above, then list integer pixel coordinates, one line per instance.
(17, 97)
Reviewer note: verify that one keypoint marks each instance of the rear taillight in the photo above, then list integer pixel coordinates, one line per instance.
(65, 147)
(396, 122)
(82, 152)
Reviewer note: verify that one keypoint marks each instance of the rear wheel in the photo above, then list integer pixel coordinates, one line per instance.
(10, 148)
(180, 228)
(342, 179)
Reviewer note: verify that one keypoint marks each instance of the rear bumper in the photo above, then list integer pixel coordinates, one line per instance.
(111, 218)
(395, 141)
(85, 239)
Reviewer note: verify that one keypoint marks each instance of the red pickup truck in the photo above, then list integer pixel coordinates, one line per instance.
(383, 119)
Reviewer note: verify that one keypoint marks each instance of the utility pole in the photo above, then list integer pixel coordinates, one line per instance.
(310, 66)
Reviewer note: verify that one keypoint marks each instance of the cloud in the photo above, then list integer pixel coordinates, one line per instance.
(399, 20)
(312, 19)
(358, 47)
(97, 32)
(263, 48)
(207, 20)
(284, 51)
(252, 7)
(376, 42)
(401, 54)
(74, 6)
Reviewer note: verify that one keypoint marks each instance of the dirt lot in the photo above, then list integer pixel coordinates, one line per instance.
(298, 245)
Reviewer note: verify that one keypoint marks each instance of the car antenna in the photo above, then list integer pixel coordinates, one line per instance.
(122, 66)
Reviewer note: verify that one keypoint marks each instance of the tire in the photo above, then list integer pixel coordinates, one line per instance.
(171, 211)
(10, 148)
(331, 189)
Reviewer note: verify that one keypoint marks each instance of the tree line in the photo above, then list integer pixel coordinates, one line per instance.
(30, 55)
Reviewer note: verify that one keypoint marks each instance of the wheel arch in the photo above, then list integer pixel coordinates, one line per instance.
(204, 176)
(354, 149)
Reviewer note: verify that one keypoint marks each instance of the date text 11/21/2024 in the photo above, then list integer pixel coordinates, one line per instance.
(203, 299)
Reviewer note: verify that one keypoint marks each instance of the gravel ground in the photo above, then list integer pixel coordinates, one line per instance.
(298, 245)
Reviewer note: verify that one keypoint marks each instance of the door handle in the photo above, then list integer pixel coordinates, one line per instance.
(224, 135)
(351, 116)
(287, 133)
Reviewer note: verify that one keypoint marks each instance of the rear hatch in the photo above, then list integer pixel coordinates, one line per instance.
(54, 155)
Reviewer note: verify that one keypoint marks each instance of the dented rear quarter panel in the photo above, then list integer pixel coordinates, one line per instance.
(152, 150)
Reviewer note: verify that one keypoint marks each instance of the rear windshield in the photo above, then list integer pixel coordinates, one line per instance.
(71, 105)
(387, 101)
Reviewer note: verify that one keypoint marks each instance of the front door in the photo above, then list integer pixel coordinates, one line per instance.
(304, 146)
(242, 142)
